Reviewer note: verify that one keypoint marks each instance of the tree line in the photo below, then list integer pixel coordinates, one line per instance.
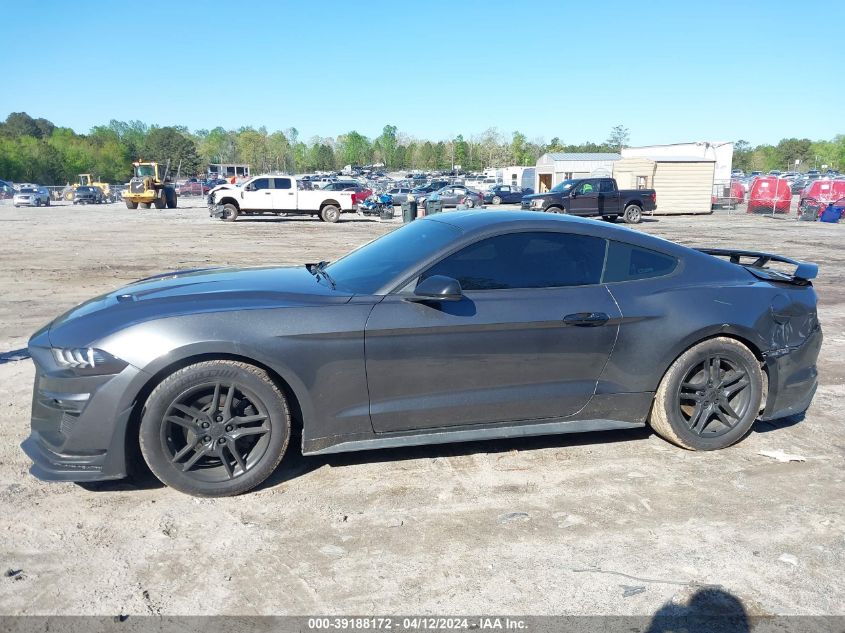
(36, 150)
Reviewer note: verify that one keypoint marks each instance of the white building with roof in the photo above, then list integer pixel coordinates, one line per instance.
(555, 167)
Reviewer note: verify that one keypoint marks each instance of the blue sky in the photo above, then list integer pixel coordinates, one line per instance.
(669, 71)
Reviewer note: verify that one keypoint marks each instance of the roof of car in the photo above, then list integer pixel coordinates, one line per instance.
(479, 221)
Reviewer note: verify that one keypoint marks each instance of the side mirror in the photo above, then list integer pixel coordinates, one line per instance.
(437, 288)
(250, 187)
(574, 194)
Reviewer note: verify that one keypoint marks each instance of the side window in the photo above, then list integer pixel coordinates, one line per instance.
(586, 187)
(626, 262)
(605, 186)
(281, 183)
(261, 183)
(525, 260)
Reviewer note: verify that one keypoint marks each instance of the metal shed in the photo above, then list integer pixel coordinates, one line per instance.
(684, 184)
(555, 167)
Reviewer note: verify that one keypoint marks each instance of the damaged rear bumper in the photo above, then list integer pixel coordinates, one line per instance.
(793, 377)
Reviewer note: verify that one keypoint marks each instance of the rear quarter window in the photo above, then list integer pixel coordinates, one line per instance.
(626, 262)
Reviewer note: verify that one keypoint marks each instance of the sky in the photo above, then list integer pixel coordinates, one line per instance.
(670, 72)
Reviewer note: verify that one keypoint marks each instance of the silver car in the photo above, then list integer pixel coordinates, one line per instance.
(32, 197)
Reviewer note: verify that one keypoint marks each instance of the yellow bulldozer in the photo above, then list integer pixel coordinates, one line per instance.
(150, 185)
(88, 180)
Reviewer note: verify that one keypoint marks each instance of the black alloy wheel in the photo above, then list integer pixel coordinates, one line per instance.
(216, 431)
(215, 428)
(714, 396)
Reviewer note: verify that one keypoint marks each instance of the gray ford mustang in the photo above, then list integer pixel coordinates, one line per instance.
(462, 326)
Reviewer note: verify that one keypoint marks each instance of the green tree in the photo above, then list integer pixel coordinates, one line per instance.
(353, 149)
(619, 137)
(167, 143)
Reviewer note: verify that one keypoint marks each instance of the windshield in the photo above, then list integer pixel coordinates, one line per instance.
(28, 191)
(563, 186)
(371, 267)
(142, 171)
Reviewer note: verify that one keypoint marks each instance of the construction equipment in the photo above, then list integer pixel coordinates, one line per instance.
(150, 185)
(88, 180)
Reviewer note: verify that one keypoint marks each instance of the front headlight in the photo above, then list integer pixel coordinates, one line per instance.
(88, 359)
(537, 203)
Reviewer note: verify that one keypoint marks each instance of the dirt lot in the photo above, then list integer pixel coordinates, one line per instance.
(612, 523)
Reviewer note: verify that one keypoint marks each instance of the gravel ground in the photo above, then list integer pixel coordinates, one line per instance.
(600, 523)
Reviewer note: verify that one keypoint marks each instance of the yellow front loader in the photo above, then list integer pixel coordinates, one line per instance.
(150, 185)
(88, 180)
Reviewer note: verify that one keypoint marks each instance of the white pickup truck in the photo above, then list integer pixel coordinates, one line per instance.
(280, 195)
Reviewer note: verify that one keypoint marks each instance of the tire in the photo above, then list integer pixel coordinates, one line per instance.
(497, 200)
(633, 214)
(555, 210)
(330, 213)
(609, 218)
(144, 205)
(230, 212)
(160, 202)
(171, 197)
(470, 203)
(215, 429)
(48, 203)
(702, 414)
(131, 205)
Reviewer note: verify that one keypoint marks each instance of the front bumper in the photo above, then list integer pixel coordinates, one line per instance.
(78, 425)
(793, 377)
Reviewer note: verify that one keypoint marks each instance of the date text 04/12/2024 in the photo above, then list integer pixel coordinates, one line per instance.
(421, 623)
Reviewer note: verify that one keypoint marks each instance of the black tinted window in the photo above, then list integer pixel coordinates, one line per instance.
(525, 260)
(261, 183)
(626, 262)
(281, 183)
(605, 186)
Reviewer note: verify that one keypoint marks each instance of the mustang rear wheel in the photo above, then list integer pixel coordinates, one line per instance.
(214, 429)
(709, 397)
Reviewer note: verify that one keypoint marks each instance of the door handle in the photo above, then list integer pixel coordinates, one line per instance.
(266, 193)
(586, 319)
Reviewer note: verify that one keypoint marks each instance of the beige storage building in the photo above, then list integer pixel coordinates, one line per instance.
(684, 184)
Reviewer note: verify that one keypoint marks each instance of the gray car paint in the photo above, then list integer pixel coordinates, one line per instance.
(376, 370)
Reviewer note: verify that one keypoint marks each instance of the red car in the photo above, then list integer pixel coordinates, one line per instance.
(768, 194)
(823, 191)
(730, 196)
(194, 189)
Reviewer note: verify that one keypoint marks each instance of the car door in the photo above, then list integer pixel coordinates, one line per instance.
(608, 198)
(283, 194)
(528, 340)
(257, 195)
(585, 199)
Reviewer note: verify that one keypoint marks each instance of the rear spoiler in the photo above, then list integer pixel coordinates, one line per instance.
(804, 271)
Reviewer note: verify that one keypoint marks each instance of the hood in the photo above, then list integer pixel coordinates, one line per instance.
(529, 196)
(191, 292)
(222, 187)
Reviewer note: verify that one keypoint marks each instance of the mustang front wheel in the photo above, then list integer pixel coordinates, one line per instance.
(215, 429)
(709, 397)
